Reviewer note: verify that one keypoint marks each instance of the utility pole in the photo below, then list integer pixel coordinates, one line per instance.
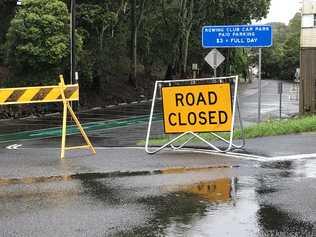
(72, 40)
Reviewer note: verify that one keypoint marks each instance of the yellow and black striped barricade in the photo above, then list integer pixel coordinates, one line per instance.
(45, 94)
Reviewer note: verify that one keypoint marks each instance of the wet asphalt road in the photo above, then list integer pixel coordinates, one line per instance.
(272, 199)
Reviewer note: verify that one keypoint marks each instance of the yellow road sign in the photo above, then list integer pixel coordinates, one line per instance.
(39, 94)
(197, 108)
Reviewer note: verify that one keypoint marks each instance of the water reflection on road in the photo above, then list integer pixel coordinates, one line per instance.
(278, 199)
(248, 206)
(208, 208)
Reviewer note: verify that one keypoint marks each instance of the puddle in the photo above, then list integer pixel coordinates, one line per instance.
(306, 168)
(223, 207)
(298, 168)
(210, 203)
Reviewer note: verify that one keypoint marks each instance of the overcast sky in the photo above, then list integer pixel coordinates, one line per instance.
(283, 10)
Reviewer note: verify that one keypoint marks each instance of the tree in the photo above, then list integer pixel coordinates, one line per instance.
(137, 14)
(38, 42)
(179, 18)
(7, 10)
(281, 60)
(272, 57)
(291, 49)
(101, 18)
(98, 22)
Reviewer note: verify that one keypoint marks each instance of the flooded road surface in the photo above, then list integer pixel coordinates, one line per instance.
(271, 199)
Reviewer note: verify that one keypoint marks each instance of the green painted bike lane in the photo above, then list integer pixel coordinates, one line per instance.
(72, 129)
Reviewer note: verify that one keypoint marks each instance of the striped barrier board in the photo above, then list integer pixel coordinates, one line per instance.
(39, 94)
(45, 94)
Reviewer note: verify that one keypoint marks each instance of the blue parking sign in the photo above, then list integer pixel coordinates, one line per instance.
(237, 36)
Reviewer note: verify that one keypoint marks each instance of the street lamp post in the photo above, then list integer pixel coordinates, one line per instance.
(72, 40)
(73, 61)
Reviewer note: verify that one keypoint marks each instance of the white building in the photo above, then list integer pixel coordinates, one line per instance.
(308, 58)
(308, 33)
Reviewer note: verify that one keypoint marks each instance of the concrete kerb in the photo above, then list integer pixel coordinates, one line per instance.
(112, 174)
(27, 164)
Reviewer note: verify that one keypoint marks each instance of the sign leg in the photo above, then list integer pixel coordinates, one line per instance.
(83, 133)
(64, 131)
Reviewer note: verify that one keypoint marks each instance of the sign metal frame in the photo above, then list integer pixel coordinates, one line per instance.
(194, 135)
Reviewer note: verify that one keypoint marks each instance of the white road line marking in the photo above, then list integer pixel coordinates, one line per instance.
(235, 155)
(14, 146)
(228, 154)
(293, 157)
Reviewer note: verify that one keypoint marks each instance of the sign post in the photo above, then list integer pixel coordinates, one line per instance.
(259, 86)
(239, 36)
(195, 70)
(280, 91)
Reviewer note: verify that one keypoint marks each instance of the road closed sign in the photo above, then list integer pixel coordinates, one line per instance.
(197, 108)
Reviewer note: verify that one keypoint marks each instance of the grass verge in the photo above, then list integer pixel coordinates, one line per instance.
(269, 128)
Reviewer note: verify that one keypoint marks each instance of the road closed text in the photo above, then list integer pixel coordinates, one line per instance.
(198, 108)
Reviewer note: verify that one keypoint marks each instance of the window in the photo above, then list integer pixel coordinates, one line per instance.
(308, 21)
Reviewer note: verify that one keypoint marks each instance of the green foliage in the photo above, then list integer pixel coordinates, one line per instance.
(104, 43)
(281, 127)
(272, 57)
(7, 8)
(281, 60)
(38, 42)
(291, 49)
(240, 62)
